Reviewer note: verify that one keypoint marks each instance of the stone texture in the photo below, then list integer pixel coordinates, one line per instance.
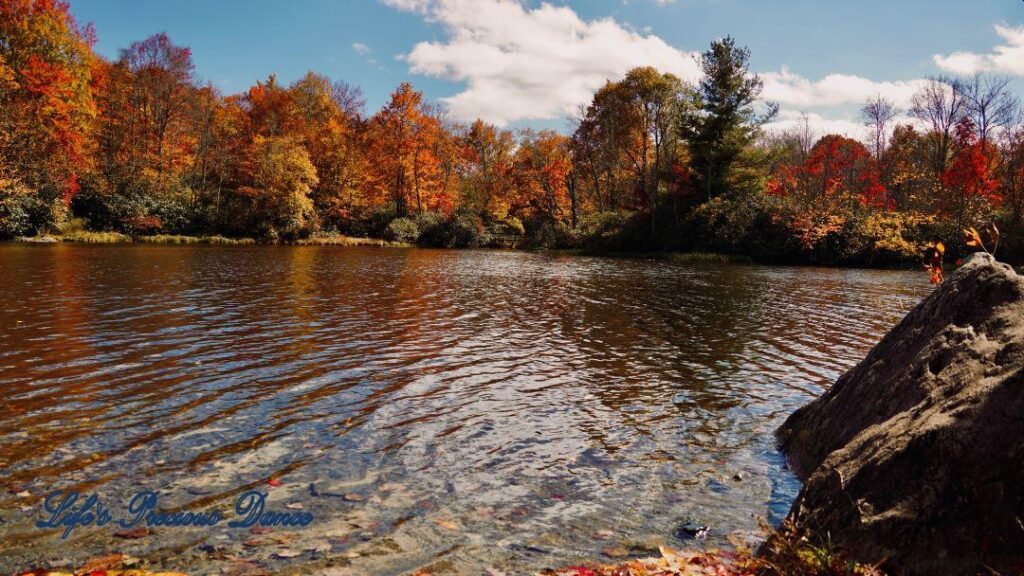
(915, 456)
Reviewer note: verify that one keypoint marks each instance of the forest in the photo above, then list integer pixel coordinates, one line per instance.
(141, 147)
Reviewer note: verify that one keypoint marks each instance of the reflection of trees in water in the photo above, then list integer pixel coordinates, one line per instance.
(654, 334)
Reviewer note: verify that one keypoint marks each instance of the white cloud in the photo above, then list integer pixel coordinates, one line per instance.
(522, 63)
(361, 49)
(542, 62)
(1006, 58)
(409, 5)
(786, 87)
(820, 125)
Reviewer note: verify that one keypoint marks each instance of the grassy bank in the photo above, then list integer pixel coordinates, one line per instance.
(340, 240)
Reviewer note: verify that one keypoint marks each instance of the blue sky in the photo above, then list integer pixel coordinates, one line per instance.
(529, 63)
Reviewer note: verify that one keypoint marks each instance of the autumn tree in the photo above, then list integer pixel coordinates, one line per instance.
(408, 171)
(148, 131)
(908, 176)
(541, 170)
(271, 109)
(838, 174)
(838, 179)
(598, 160)
(276, 194)
(970, 186)
(724, 123)
(488, 153)
(325, 116)
(630, 128)
(877, 114)
(46, 103)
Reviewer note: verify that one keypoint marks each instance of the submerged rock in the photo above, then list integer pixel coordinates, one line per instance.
(915, 457)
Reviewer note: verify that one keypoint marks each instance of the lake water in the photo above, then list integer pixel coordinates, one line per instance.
(442, 410)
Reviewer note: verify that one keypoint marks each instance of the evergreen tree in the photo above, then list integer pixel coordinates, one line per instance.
(724, 122)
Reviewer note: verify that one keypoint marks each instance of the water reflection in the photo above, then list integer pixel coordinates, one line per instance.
(449, 409)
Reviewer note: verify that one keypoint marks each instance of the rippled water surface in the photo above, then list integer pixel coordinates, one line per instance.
(441, 410)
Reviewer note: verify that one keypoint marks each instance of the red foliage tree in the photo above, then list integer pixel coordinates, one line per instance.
(971, 179)
(839, 172)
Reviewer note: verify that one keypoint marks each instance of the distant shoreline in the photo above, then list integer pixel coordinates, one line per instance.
(168, 239)
(691, 258)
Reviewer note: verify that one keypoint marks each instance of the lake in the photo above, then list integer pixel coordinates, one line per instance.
(441, 410)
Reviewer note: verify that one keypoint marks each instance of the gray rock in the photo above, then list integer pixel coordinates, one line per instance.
(915, 457)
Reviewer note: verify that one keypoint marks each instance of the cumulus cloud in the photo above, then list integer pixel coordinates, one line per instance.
(521, 63)
(361, 49)
(1006, 58)
(785, 87)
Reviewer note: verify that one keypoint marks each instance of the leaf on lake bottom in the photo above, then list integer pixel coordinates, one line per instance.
(286, 554)
(446, 524)
(133, 534)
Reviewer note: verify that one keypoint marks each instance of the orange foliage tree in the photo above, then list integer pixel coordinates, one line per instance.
(147, 135)
(541, 172)
(487, 159)
(408, 170)
(46, 104)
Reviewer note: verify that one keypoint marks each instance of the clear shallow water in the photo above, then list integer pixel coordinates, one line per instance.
(433, 409)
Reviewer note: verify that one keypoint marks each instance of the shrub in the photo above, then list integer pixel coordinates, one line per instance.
(888, 237)
(456, 231)
(402, 230)
(363, 222)
(17, 205)
(428, 220)
(602, 231)
(143, 225)
(515, 225)
(107, 208)
(182, 212)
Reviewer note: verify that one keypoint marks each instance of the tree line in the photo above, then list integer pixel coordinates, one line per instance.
(140, 146)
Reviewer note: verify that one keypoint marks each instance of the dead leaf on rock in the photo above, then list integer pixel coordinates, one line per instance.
(133, 534)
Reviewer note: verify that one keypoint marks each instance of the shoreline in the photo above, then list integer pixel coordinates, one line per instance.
(177, 240)
(686, 258)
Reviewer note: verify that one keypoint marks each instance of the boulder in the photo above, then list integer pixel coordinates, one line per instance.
(915, 457)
